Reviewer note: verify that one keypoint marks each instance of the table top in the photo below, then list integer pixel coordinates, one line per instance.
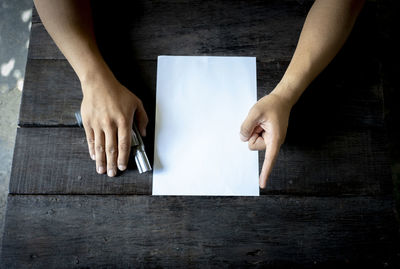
(328, 199)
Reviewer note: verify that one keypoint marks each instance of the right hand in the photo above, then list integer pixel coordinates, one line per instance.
(108, 110)
(265, 128)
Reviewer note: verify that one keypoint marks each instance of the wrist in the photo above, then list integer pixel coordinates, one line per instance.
(96, 77)
(289, 89)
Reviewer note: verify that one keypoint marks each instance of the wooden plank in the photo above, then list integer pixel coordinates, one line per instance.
(35, 16)
(45, 81)
(56, 161)
(52, 91)
(146, 231)
(41, 46)
(328, 132)
(145, 29)
(194, 27)
(347, 93)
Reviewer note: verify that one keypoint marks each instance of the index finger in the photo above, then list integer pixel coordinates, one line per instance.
(271, 153)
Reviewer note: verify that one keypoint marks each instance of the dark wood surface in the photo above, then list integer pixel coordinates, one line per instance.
(328, 201)
(335, 142)
(56, 161)
(348, 93)
(190, 27)
(133, 231)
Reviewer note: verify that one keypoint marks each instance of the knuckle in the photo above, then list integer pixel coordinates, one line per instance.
(86, 123)
(111, 164)
(124, 146)
(100, 163)
(122, 121)
(146, 119)
(90, 140)
(106, 121)
(111, 150)
(251, 146)
(245, 130)
(256, 110)
(99, 148)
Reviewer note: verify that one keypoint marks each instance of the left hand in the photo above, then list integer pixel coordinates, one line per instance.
(265, 128)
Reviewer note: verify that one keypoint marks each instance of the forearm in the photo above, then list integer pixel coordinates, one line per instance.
(69, 23)
(108, 108)
(327, 26)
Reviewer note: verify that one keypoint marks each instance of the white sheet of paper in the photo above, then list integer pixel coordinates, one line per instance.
(201, 103)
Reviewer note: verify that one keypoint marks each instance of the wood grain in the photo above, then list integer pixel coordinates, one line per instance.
(51, 94)
(348, 92)
(143, 30)
(194, 27)
(335, 148)
(342, 97)
(337, 124)
(148, 231)
(56, 161)
(52, 91)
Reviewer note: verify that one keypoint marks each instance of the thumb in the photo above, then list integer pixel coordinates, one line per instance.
(251, 121)
(141, 119)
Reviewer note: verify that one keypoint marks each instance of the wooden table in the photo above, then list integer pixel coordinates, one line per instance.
(328, 200)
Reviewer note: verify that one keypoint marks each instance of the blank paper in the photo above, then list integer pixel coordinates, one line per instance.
(201, 103)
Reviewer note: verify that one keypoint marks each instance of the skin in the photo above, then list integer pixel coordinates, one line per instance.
(327, 26)
(108, 108)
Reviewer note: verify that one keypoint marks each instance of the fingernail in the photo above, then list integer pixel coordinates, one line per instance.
(144, 132)
(121, 167)
(93, 157)
(100, 170)
(110, 172)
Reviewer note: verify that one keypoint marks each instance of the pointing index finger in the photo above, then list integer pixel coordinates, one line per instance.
(271, 153)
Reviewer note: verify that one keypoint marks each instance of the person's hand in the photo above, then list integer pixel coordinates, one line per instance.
(108, 110)
(265, 128)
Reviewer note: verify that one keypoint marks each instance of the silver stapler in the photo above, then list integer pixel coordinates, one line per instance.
(142, 162)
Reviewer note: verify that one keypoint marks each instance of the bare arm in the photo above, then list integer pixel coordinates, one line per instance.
(69, 23)
(327, 26)
(108, 108)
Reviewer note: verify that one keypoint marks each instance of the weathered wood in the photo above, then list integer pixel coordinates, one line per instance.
(52, 91)
(349, 91)
(35, 16)
(56, 160)
(345, 100)
(146, 29)
(346, 93)
(195, 27)
(336, 145)
(148, 231)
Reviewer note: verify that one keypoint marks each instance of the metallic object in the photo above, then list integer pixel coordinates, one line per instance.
(142, 162)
